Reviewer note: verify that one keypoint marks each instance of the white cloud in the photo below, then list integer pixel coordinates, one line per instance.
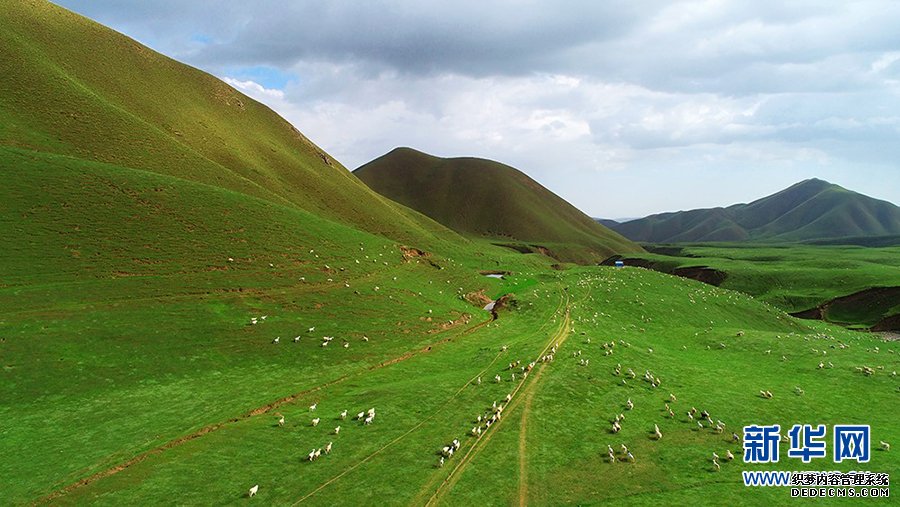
(588, 98)
(255, 90)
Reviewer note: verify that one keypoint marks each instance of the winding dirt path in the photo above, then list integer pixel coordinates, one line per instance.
(528, 387)
(430, 417)
(526, 410)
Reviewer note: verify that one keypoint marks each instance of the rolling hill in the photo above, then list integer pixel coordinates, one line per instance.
(74, 90)
(483, 198)
(812, 210)
(193, 298)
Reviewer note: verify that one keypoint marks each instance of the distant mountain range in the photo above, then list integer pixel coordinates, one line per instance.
(812, 210)
(483, 198)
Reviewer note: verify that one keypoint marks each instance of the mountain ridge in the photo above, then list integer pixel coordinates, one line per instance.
(809, 210)
(484, 198)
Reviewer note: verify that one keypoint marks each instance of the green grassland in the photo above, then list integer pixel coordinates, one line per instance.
(149, 213)
(487, 199)
(91, 382)
(797, 277)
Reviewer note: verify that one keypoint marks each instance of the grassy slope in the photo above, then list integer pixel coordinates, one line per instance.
(488, 199)
(123, 326)
(430, 398)
(73, 87)
(809, 210)
(798, 277)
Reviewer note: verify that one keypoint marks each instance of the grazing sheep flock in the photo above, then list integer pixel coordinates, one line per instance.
(644, 396)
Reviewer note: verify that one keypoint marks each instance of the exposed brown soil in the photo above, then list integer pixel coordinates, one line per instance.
(891, 323)
(478, 298)
(877, 297)
(702, 274)
(412, 253)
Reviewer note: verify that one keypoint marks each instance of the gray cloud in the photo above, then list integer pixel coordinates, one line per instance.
(577, 94)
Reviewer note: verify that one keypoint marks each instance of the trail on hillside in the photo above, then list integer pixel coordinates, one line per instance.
(528, 387)
(427, 419)
(401, 437)
(528, 398)
(264, 409)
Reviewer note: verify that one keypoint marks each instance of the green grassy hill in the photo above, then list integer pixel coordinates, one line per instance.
(117, 411)
(73, 87)
(833, 282)
(484, 198)
(174, 255)
(810, 210)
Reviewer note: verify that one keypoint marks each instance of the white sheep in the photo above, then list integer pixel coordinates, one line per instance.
(313, 406)
(328, 448)
(337, 430)
(253, 490)
(315, 422)
(344, 414)
(884, 445)
(280, 420)
(276, 340)
(369, 419)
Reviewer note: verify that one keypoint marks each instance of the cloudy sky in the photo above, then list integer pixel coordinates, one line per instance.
(624, 108)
